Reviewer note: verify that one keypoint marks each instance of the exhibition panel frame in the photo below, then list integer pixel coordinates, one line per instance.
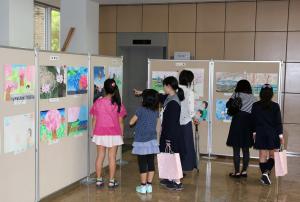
(17, 170)
(201, 87)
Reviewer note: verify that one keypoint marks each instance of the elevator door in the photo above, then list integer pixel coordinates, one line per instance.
(135, 76)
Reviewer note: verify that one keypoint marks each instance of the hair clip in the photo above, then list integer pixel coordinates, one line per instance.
(113, 84)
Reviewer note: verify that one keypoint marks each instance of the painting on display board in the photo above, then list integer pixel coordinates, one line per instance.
(158, 77)
(221, 111)
(201, 111)
(116, 73)
(77, 120)
(198, 84)
(99, 79)
(53, 126)
(257, 80)
(18, 82)
(77, 80)
(53, 82)
(18, 133)
(226, 81)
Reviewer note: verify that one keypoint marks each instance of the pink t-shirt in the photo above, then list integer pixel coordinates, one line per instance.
(107, 117)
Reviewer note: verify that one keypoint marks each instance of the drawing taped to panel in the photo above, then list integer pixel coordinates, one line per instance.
(116, 73)
(53, 82)
(201, 111)
(257, 80)
(198, 83)
(226, 81)
(77, 120)
(77, 80)
(53, 126)
(18, 133)
(221, 111)
(158, 77)
(18, 82)
(99, 79)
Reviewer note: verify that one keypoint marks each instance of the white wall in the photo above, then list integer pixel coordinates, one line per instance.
(4, 22)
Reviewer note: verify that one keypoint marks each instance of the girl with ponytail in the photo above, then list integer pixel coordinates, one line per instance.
(107, 116)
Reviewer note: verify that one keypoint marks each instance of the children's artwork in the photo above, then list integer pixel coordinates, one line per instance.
(99, 77)
(198, 84)
(257, 80)
(221, 111)
(226, 81)
(53, 126)
(18, 133)
(201, 111)
(77, 80)
(116, 73)
(158, 77)
(18, 82)
(77, 120)
(53, 82)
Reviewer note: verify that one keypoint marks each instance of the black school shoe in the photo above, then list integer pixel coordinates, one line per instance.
(174, 186)
(265, 179)
(165, 182)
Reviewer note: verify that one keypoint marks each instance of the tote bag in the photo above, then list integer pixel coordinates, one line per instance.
(169, 165)
(280, 163)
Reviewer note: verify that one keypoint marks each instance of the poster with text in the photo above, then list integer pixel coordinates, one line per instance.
(158, 77)
(221, 111)
(226, 81)
(18, 133)
(53, 125)
(257, 80)
(77, 120)
(198, 84)
(116, 73)
(18, 82)
(201, 111)
(77, 80)
(53, 82)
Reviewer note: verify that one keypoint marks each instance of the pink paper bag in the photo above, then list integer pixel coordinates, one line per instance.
(280, 163)
(169, 166)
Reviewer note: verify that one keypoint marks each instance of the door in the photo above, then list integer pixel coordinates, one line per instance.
(135, 63)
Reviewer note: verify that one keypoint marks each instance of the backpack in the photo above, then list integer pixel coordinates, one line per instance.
(234, 105)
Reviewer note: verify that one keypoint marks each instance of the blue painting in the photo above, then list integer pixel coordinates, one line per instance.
(77, 80)
(221, 111)
(77, 120)
(99, 77)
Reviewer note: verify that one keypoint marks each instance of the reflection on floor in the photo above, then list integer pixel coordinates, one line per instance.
(211, 184)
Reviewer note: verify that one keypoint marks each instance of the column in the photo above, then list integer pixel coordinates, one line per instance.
(84, 16)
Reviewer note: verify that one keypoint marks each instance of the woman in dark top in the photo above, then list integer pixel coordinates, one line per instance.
(268, 131)
(240, 133)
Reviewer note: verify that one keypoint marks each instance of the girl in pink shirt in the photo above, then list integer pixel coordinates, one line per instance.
(108, 114)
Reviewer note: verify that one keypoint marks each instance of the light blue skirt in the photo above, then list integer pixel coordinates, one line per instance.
(144, 148)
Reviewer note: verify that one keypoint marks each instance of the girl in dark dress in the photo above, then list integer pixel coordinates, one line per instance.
(240, 133)
(268, 131)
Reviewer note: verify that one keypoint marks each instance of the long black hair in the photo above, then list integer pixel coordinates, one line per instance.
(172, 81)
(186, 78)
(266, 95)
(150, 99)
(111, 87)
(243, 86)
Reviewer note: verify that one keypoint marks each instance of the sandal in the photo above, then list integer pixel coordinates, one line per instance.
(235, 175)
(99, 183)
(113, 184)
(244, 174)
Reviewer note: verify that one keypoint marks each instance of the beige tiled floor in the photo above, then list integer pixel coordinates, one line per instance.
(211, 184)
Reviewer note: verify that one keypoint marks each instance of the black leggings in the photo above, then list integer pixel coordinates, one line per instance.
(146, 163)
(237, 158)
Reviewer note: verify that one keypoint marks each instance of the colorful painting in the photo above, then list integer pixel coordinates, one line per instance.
(116, 73)
(198, 84)
(77, 80)
(201, 111)
(99, 77)
(221, 111)
(158, 77)
(226, 81)
(53, 126)
(18, 82)
(18, 133)
(257, 80)
(53, 82)
(77, 120)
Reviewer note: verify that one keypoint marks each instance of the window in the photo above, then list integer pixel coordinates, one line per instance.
(47, 27)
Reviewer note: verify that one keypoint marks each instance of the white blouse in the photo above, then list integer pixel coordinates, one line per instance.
(187, 106)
